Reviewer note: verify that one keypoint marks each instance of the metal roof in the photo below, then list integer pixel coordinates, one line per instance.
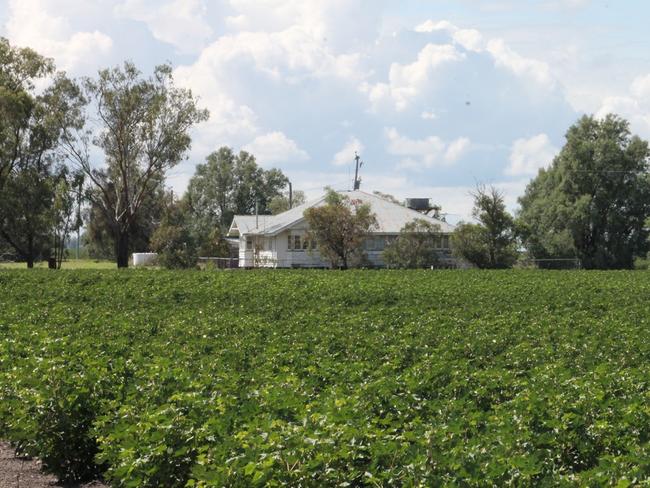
(391, 217)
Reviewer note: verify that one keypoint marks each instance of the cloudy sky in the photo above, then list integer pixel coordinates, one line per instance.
(436, 95)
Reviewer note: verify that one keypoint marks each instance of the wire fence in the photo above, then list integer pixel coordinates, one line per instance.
(261, 262)
(551, 263)
(218, 263)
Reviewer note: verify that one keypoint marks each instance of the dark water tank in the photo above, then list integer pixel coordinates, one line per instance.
(419, 204)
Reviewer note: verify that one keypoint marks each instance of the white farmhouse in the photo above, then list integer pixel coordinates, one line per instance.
(279, 240)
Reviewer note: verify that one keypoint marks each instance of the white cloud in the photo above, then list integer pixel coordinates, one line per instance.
(178, 22)
(431, 26)
(235, 62)
(634, 106)
(230, 122)
(333, 22)
(432, 151)
(641, 87)
(470, 39)
(407, 81)
(504, 56)
(622, 105)
(346, 154)
(290, 55)
(275, 148)
(527, 156)
(32, 23)
(456, 149)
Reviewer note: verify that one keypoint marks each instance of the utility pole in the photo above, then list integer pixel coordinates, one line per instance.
(290, 196)
(357, 179)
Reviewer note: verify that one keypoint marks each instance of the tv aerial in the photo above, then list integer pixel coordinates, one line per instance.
(359, 164)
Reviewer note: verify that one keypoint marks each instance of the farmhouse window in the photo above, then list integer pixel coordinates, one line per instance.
(296, 243)
(375, 243)
(445, 242)
(249, 243)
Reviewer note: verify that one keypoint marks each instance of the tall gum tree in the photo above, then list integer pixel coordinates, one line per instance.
(32, 125)
(19, 69)
(593, 201)
(141, 126)
(229, 184)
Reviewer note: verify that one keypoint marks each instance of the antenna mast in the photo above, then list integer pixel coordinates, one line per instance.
(357, 178)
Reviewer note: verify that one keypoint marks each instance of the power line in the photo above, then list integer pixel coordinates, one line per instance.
(616, 171)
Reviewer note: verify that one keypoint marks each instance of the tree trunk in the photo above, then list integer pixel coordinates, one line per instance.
(30, 252)
(122, 249)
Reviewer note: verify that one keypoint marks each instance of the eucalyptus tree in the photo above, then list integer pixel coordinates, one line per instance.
(228, 184)
(137, 128)
(593, 201)
(339, 229)
(491, 241)
(33, 124)
(282, 203)
(20, 68)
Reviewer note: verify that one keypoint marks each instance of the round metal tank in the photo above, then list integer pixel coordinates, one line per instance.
(144, 258)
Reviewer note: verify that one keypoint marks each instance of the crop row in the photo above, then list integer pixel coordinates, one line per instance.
(317, 378)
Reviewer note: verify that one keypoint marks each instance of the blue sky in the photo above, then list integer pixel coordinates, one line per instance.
(436, 95)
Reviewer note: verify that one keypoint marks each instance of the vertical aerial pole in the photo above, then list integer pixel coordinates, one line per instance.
(357, 179)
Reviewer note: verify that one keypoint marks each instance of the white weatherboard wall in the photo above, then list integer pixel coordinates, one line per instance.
(274, 252)
(292, 258)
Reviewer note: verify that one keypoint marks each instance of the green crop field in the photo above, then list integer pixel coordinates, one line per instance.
(295, 378)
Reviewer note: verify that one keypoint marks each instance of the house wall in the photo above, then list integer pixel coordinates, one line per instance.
(293, 258)
(257, 252)
(274, 252)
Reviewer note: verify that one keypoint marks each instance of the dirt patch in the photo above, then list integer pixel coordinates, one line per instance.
(22, 472)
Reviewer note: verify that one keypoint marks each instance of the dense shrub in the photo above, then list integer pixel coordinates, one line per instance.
(383, 378)
(418, 245)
